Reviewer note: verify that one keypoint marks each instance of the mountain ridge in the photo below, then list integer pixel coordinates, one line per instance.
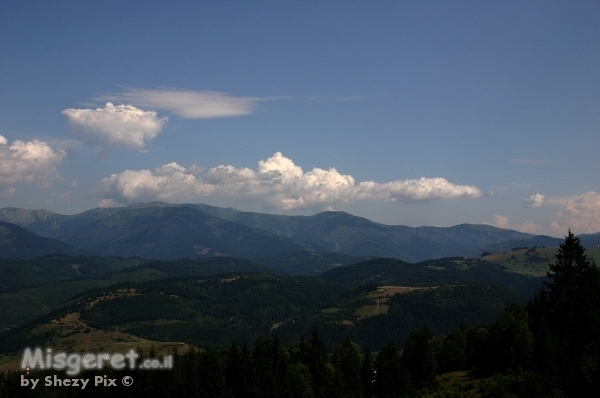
(329, 231)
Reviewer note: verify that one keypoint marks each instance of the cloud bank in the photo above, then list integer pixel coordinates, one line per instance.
(187, 104)
(115, 127)
(580, 213)
(526, 226)
(535, 201)
(31, 162)
(277, 183)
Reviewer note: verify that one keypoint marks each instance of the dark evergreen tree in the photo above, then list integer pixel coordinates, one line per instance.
(418, 358)
(314, 355)
(452, 354)
(347, 361)
(511, 340)
(565, 319)
(238, 370)
(367, 376)
(211, 374)
(391, 380)
(569, 276)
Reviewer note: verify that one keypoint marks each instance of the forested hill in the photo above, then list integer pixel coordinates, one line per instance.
(440, 272)
(18, 243)
(149, 230)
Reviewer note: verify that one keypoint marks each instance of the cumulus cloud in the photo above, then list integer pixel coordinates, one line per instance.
(187, 104)
(526, 226)
(536, 200)
(113, 127)
(277, 182)
(580, 213)
(32, 161)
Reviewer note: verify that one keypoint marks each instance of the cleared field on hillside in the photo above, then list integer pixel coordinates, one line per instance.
(532, 261)
(381, 296)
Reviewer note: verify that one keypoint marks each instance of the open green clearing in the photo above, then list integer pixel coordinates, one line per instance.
(531, 261)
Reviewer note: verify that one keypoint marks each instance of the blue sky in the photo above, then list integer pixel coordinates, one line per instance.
(408, 112)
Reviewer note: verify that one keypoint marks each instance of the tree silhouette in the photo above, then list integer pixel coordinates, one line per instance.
(570, 273)
(566, 318)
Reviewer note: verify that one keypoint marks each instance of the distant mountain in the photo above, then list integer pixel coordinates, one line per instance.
(335, 232)
(590, 240)
(52, 225)
(20, 244)
(174, 232)
(535, 241)
(341, 232)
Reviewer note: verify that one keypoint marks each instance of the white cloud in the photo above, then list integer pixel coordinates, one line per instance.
(580, 213)
(31, 162)
(536, 200)
(277, 182)
(526, 226)
(187, 104)
(113, 127)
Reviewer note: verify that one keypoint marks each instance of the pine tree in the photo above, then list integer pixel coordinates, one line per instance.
(418, 358)
(391, 379)
(347, 361)
(569, 273)
(570, 304)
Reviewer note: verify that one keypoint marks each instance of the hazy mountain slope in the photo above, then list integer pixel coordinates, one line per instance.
(174, 232)
(340, 232)
(18, 243)
(52, 225)
(590, 240)
(535, 241)
(344, 233)
(472, 236)
(59, 226)
(337, 232)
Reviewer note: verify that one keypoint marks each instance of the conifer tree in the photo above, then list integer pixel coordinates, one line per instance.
(569, 273)
(391, 379)
(566, 316)
(418, 358)
(347, 360)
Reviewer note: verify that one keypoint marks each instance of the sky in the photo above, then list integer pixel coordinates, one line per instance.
(404, 112)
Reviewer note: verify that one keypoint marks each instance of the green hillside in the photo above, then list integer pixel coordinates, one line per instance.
(19, 274)
(20, 306)
(304, 262)
(20, 244)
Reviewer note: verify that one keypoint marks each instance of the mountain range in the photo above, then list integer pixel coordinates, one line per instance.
(166, 231)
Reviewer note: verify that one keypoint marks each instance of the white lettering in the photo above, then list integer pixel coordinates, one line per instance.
(30, 361)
